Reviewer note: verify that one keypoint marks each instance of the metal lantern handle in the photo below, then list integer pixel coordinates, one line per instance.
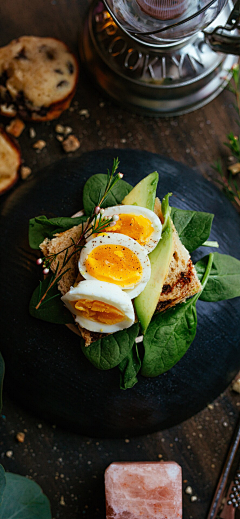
(220, 38)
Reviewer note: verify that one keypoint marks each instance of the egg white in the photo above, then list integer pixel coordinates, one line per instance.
(142, 211)
(106, 293)
(125, 241)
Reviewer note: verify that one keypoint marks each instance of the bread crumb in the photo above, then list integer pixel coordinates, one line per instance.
(59, 138)
(62, 502)
(193, 498)
(32, 133)
(234, 169)
(20, 437)
(9, 454)
(39, 145)
(25, 172)
(71, 144)
(236, 386)
(67, 130)
(188, 490)
(8, 110)
(59, 128)
(15, 127)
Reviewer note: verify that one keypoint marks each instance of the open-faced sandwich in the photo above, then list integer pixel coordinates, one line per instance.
(124, 274)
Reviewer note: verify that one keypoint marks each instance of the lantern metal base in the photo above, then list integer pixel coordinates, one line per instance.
(159, 81)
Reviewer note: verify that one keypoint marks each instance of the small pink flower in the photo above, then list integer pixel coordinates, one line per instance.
(46, 271)
(120, 175)
(39, 261)
(97, 210)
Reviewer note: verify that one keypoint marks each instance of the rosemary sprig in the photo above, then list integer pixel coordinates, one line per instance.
(226, 180)
(96, 224)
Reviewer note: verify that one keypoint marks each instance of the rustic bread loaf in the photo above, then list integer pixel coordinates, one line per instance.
(10, 161)
(38, 78)
(181, 282)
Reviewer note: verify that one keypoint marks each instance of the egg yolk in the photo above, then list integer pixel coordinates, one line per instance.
(99, 311)
(114, 264)
(136, 226)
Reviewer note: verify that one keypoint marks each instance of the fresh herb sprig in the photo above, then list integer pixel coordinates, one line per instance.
(228, 183)
(96, 223)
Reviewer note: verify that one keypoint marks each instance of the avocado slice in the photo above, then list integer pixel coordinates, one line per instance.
(160, 258)
(144, 193)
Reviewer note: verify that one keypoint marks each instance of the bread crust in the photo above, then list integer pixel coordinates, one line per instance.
(10, 161)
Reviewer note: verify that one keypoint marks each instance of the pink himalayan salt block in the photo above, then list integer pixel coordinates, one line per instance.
(143, 490)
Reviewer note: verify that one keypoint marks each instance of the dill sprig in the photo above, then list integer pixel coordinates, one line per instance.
(96, 224)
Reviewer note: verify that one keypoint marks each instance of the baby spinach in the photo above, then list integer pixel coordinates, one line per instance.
(224, 279)
(23, 499)
(129, 368)
(193, 227)
(2, 482)
(94, 189)
(170, 334)
(2, 370)
(109, 351)
(52, 308)
(42, 227)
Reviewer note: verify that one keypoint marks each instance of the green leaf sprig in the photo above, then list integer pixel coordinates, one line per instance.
(96, 223)
(228, 183)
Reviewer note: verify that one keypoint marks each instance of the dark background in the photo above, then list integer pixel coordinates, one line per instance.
(69, 467)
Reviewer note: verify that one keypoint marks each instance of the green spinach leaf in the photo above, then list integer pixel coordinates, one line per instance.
(108, 352)
(41, 227)
(23, 499)
(193, 227)
(52, 308)
(2, 371)
(224, 280)
(2, 482)
(170, 334)
(94, 189)
(129, 368)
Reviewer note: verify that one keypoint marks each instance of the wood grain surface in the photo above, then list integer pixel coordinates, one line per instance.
(69, 467)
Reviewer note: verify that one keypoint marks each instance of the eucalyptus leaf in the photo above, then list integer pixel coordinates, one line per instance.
(52, 308)
(224, 280)
(129, 368)
(2, 482)
(2, 371)
(23, 499)
(94, 189)
(110, 350)
(193, 227)
(42, 227)
(170, 334)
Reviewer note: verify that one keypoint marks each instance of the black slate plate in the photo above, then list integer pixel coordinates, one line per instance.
(45, 368)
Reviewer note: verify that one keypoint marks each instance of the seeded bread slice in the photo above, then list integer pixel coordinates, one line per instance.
(38, 78)
(181, 282)
(10, 161)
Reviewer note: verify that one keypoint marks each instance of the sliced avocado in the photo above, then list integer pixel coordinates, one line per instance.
(144, 193)
(160, 258)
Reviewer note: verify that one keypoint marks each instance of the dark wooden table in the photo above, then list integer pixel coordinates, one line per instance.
(69, 467)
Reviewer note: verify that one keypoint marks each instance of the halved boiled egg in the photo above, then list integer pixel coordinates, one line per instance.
(139, 223)
(100, 307)
(117, 259)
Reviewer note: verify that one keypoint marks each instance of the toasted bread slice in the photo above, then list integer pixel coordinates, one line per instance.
(10, 161)
(181, 282)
